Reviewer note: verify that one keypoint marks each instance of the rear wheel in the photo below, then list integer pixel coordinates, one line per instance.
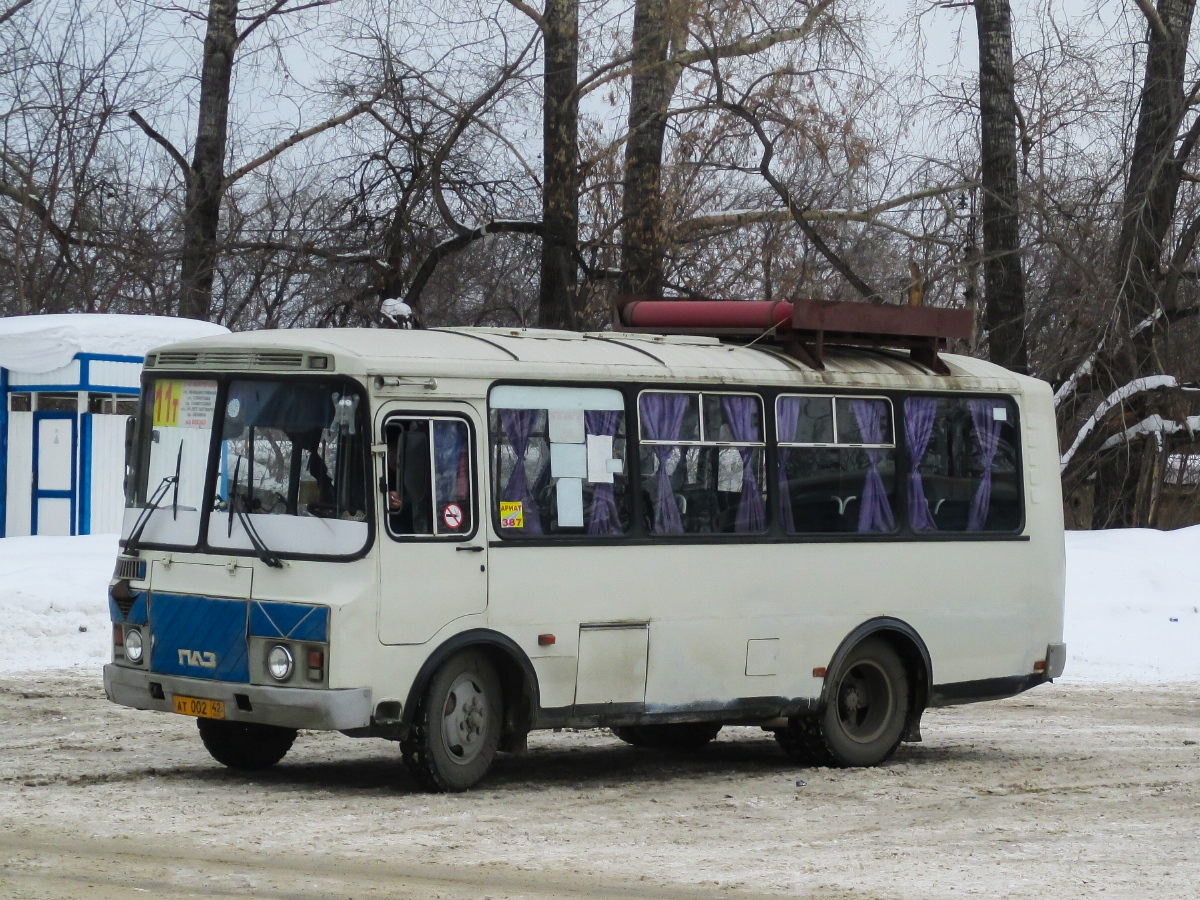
(245, 745)
(864, 718)
(455, 731)
(681, 736)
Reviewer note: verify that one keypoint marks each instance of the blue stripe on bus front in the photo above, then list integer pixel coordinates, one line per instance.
(201, 626)
(137, 613)
(294, 621)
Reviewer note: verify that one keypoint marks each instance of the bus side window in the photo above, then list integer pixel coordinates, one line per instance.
(964, 460)
(703, 463)
(428, 477)
(837, 464)
(558, 461)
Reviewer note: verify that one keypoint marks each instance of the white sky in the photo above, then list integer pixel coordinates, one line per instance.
(277, 91)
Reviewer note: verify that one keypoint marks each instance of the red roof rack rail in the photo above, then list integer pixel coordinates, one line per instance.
(801, 328)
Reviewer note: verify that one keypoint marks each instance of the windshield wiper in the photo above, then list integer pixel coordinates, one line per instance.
(175, 496)
(160, 492)
(260, 547)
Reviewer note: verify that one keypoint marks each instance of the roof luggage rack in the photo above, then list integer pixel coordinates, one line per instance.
(801, 328)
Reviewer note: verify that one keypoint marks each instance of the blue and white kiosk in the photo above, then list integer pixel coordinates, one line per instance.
(69, 383)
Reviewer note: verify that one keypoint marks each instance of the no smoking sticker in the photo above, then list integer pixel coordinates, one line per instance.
(452, 515)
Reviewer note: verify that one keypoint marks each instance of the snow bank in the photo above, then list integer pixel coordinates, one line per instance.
(50, 588)
(1133, 605)
(1124, 588)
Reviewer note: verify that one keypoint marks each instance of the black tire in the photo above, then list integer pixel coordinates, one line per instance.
(682, 736)
(453, 739)
(864, 718)
(802, 742)
(245, 745)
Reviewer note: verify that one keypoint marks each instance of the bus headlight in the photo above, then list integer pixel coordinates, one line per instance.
(133, 645)
(279, 662)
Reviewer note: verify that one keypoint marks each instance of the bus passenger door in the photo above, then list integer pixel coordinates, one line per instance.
(433, 552)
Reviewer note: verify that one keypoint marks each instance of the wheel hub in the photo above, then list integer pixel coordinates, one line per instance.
(464, 719)
(864, 701)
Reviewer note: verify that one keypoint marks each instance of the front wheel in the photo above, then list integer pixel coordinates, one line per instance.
(864, 718)
(455, 731)
(245, 745)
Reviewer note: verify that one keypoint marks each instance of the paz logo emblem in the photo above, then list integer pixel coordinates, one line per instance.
(205, 660)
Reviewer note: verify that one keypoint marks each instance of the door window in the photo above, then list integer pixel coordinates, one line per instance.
(429, 477)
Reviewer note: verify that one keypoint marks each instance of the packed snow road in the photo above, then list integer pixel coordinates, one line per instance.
(1069, 790)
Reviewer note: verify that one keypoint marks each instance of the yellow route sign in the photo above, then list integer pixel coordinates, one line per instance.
(184, 404)
(167, 395)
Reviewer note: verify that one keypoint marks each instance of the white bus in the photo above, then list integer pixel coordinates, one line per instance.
(449, 538)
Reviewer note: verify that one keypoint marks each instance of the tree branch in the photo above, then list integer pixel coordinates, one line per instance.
(1117, 398)
(751, 45)
(1156, 22)
(13, 10)
(305, 250)
(30, 202)
(464, 120)
(162, 142)
(297, 138)
(275, 9)
(740, 218)
(529, 11)
(747, 46)
(799, 215)
(460, 241)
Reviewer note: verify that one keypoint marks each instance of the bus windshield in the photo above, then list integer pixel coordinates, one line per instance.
(164, 499)
(290, 466)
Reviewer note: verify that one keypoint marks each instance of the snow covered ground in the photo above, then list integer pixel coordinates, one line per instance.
(53, 601)
(1133, 604)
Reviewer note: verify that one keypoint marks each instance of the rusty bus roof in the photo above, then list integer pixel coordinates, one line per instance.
(528, 353)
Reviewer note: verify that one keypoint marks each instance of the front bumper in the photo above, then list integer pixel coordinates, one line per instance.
(319, 710)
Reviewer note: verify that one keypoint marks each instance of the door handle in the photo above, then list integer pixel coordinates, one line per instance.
(470, 548)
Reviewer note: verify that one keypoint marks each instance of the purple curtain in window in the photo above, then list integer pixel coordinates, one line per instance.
(518, 425)
(919, 416)
(739, 412)
(662, 418)
(786, 421)
(603, 518)
(874, 512)
(987, 436)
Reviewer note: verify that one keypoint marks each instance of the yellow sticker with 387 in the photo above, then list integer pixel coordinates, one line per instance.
(512, 514)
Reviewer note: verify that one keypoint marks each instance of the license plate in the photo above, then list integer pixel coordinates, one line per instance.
(198, 707)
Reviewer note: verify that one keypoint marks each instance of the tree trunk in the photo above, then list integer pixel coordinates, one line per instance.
(1152, 187)
(1004, 280)
(656, 25)
(557, 306)
(206, 185)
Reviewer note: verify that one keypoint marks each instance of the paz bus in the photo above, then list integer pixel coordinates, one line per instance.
(450, 537)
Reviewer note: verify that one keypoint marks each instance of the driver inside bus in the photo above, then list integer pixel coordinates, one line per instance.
(409, 499)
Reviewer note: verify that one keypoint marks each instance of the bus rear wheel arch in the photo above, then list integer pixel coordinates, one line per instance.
(873, 699)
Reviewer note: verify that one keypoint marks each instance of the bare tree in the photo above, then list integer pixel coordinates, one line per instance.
(205, 179)
(74, 215)
(1004, 277)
